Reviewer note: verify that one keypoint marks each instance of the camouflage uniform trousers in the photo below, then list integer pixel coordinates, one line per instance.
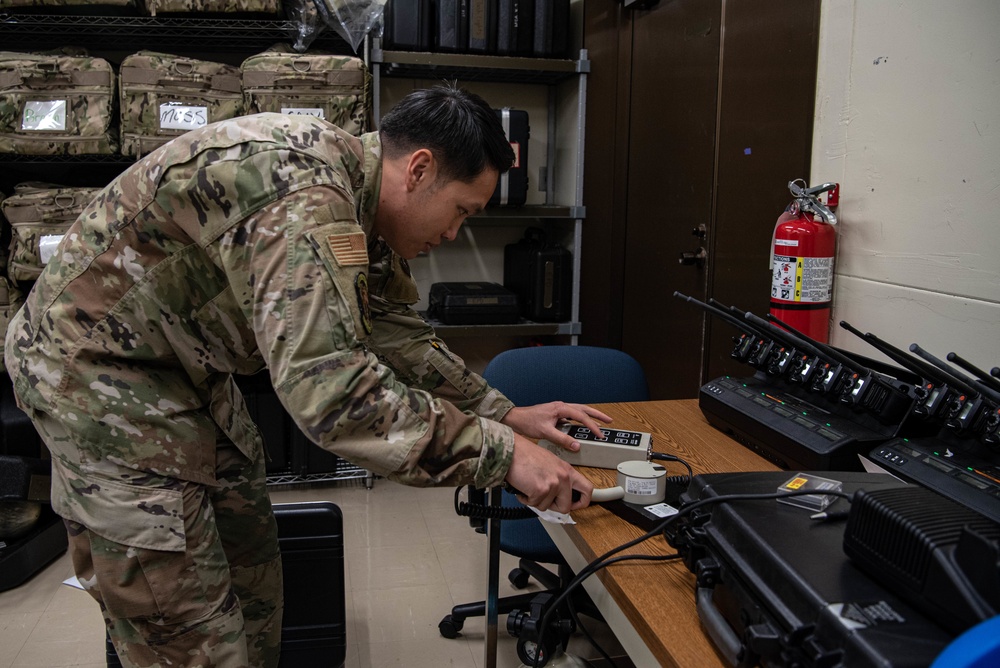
(217, 603)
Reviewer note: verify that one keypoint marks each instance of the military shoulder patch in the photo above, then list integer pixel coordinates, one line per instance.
(349, 249)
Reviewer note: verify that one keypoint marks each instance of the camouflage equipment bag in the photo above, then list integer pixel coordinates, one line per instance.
(56, 104)
(163, 96)
(39, 215)
(262, 6)
(334, 88)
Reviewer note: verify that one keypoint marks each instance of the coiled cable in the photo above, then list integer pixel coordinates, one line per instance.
(481, 511)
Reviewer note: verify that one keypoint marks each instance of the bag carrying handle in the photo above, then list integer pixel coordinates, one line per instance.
(717, 628)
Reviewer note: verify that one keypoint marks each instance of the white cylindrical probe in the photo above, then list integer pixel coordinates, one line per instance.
(639, 482)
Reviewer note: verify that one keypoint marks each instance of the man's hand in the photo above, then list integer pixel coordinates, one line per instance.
(543, 420)
(544, 480)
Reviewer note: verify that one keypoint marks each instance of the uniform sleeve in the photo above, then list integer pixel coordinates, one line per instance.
(299, 267)
(404, 341)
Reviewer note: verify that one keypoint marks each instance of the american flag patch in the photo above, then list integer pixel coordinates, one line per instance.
(349, 249)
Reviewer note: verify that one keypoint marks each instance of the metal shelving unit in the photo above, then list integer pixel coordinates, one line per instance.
(343, 473)
(565, 78)
(19, 31)
(112, 32)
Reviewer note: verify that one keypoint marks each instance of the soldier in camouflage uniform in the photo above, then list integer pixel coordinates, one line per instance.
(263, 241)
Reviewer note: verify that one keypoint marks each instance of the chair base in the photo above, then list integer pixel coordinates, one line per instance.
(451, 625)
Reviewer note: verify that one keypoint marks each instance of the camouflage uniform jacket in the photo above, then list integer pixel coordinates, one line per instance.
(242, 245)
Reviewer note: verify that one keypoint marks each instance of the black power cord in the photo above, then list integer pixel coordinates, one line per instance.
(663, 457)
(482, 511)
(606, 559)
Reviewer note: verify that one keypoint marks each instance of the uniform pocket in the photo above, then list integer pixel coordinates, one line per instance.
(144, 514)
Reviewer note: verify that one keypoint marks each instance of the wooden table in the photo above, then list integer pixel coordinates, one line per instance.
(650, 605)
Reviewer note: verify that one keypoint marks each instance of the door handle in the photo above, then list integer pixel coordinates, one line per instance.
(696, 257)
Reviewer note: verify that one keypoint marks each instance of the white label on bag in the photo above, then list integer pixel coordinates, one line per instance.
(304, 111)
(44, 115)
(47, 245)
(179, 116)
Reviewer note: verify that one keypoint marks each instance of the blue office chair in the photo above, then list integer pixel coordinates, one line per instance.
(979, 647)
(528, 376)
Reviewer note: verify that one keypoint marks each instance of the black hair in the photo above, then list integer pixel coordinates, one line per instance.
(459, 127)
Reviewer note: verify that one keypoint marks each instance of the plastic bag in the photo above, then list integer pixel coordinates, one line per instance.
(304, 14)
(352, 19)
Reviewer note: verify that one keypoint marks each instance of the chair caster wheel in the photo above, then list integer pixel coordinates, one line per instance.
(519, 578)
(449, 627)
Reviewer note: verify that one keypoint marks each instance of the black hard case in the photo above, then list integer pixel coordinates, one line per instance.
(515, 27)
(408, 25)
(512, 186)
(314, 627)
(451, 22)
(775, 587)
(540, 273)
(551, 28)
(473, 303)
(482, 26)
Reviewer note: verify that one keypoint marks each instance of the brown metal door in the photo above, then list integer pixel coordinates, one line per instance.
(722, 97)
(764, 141)
(673, 91)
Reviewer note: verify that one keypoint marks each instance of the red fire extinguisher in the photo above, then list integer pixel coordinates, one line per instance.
(802, 253)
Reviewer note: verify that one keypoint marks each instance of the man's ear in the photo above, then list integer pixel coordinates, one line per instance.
(421, 169)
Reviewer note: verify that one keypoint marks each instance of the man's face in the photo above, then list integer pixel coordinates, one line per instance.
(431, 209)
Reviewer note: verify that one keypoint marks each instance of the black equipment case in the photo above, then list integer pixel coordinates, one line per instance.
(473, 303)
(512, 186)
(775, 587)
(482, 26)
(408, 25)
(451, 25)
(540, 274)
(314, 625)
(551, 28)
(515, 27)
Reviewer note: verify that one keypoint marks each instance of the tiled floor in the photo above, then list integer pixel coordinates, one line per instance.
(409, 559)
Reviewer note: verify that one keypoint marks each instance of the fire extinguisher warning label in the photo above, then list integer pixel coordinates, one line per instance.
(802, 279)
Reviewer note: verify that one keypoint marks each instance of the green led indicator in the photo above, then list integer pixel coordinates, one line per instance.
(969, 468)
(828, 424)
(937, 454)
(804, 413)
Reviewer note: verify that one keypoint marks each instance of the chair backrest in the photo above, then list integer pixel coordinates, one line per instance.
(978, 647)
(576, 374)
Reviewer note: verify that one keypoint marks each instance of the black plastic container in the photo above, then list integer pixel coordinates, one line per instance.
(314, 627)
(512, 186)
(408, 25)
(775, 587)
(540, 273)
(473, 303)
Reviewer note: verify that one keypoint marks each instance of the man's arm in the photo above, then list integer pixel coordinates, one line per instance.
(306, 302)
(406, 342)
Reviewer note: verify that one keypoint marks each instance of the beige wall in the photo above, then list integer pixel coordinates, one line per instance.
(908, 122)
